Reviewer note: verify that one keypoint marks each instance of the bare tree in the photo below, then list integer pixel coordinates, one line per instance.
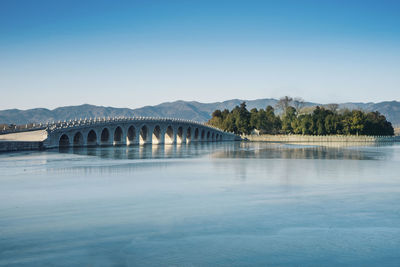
(332, 107)
(298, 103)
(284, 103)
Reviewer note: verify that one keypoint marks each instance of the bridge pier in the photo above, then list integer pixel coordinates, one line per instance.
(157, 136)
(180, 135)
(169, 135)
(118, 135)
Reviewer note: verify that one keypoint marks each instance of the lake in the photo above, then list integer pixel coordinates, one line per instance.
(204, 204)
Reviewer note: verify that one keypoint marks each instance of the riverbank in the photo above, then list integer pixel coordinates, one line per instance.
(28, 136)
(321, 138)
(9, 146)
(30, 140)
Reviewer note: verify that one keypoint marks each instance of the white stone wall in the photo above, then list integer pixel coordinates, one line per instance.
(321, 138)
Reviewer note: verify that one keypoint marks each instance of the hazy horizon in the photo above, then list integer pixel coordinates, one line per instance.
(133, 54)
(52, 108)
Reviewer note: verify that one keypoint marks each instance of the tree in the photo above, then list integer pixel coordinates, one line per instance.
(284, 103)
(217, 113)
(376, 124)
(298, 104)
(255, 119)
(320, 121)
(287, 119)
(216, 119)
(305, 124)
(319, 117)
(332, 107)
(272, 123)
(357, 122)
(229, 124)
(242, 116)
(333, 124)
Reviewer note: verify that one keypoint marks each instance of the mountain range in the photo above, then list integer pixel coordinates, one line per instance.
(190, 110)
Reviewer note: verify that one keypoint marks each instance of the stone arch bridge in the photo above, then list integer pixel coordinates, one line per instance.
(130, 131)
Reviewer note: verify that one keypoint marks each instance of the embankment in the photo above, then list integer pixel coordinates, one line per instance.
(30, 140)
(321, 138)
(7, 146)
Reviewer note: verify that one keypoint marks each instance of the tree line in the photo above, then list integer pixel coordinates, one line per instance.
(292, 120)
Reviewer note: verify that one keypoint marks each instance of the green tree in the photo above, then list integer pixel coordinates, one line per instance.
(357, 122)
(287, 119)
(229, 124)
(242, 119)
(305, 124)
(255, 119)
(333, 124)
(321, 121)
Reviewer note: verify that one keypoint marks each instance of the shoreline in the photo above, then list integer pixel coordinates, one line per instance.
(34, 140)
(320, 138)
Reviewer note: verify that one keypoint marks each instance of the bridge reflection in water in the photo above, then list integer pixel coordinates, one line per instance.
(270, 157)
(148, 151)
(238, 150)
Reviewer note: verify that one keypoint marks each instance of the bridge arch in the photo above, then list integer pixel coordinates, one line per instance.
(64, 141)
(92, 138)
(118, 134)
(131, 135)
(143, 135)
(157, 135)
(169, 135)
(131, 131)
(105, 136)
(179, 135)
(78, 139)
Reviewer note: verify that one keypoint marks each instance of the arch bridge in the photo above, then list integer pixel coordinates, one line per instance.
(131, 131)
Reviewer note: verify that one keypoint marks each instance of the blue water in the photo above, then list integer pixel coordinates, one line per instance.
(228, 204)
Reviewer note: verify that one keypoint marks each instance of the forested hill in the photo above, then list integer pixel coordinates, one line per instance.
(191, 110)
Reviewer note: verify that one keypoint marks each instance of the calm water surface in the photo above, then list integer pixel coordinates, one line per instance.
(228, 204)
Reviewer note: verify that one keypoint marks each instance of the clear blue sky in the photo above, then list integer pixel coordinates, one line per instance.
(136, 53)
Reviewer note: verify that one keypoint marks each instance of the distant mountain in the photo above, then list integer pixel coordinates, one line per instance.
(190, 110)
